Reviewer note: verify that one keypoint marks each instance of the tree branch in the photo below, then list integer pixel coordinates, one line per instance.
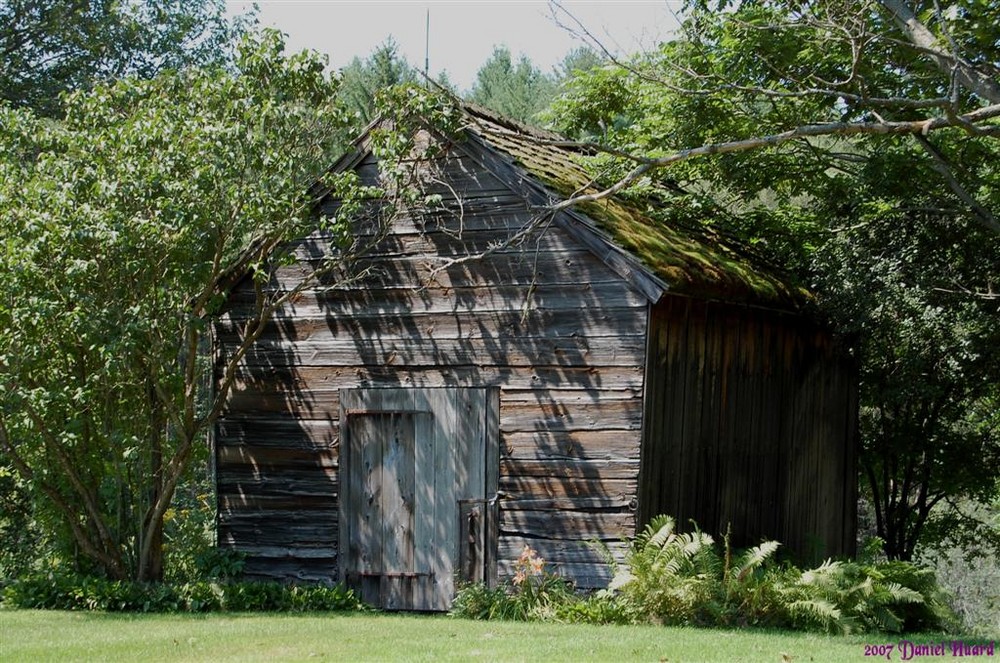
(944, 169)
(968, 76)
(646, 164)
(70, 515)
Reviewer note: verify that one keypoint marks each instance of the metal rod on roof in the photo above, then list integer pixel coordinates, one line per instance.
(427, 46)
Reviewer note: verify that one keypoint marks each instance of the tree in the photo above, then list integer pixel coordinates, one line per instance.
(767, 74)
(577, 62)
(897, 283)
(519, 91)
(48, 47)
(854, 142)
(124, 227)
(362, 80)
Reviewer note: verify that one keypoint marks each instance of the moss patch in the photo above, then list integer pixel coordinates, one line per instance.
(690, 262)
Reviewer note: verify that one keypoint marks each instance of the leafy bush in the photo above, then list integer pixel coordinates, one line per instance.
(933, 611)
(686, 579)
(676, 578)
(54, 591)
(845, 597)
(189, 549)
(478, 601)
(65, 592)
(219, 563)
(974, 583)
(669, 577)
(601, 607)
(533, 594)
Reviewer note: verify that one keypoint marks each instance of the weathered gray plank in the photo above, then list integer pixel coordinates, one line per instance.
(500, 235)
(366, 499)
(431, 351)
(278, 431)
(615, 503)
(460, 172)
(571, 469)
(610, 321)
(272, 533)
(568, 524)
(425, 532)
(229, 503)
(477, 213)
(404, 299)
(266, 458)
(347, 544)
(491, 460)
(425, 272)
(445, 495)
(398, 445)
(557, 551)
(299, 552)
(543, 377)
(398, 493)
(241, 481)
(294, 569)
(321, 404)
(603, 415)
(581, 444)
(533, 488)
(583, 576)
(524, 270)
(280, 528)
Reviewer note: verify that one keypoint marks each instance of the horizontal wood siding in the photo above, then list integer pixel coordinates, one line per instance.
(559, 332)
(750, 425)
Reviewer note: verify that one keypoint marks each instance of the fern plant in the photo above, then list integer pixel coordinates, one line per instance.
(845, 597)
(675, 578)
(748, 591)
(933, 612)
(672, 577)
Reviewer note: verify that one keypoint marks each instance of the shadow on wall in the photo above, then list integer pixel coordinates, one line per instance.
(546, 321)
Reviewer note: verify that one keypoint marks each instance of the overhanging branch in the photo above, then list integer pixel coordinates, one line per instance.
(968, 76)
(921, 128)
(944, 169)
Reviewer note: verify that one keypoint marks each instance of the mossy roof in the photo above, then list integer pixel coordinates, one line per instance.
(693, 262)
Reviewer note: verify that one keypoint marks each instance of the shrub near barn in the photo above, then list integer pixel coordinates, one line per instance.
(675, 578)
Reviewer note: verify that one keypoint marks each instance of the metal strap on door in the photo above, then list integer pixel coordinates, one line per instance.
(478, 525)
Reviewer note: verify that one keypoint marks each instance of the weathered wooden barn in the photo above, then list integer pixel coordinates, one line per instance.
(425, 423)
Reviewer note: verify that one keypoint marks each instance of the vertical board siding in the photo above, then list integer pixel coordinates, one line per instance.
(750, 425)
(559, 333)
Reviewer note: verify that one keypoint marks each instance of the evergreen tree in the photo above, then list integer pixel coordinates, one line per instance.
(518, 90)
(362, 79)
(577, 62)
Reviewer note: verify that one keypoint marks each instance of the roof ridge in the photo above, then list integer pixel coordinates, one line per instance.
(490, 117)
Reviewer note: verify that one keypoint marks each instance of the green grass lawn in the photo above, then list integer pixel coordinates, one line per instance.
(28, 635)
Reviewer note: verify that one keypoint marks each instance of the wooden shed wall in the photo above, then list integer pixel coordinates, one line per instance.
(559, 332)
(751, 422)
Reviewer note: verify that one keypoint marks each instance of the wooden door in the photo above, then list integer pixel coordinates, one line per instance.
(418, 478)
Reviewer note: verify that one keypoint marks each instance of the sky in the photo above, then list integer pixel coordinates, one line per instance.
(462, 33)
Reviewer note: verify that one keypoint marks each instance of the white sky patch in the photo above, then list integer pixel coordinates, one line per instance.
(462, 34)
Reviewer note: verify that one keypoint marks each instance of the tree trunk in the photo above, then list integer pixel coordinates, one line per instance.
(151, 555)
